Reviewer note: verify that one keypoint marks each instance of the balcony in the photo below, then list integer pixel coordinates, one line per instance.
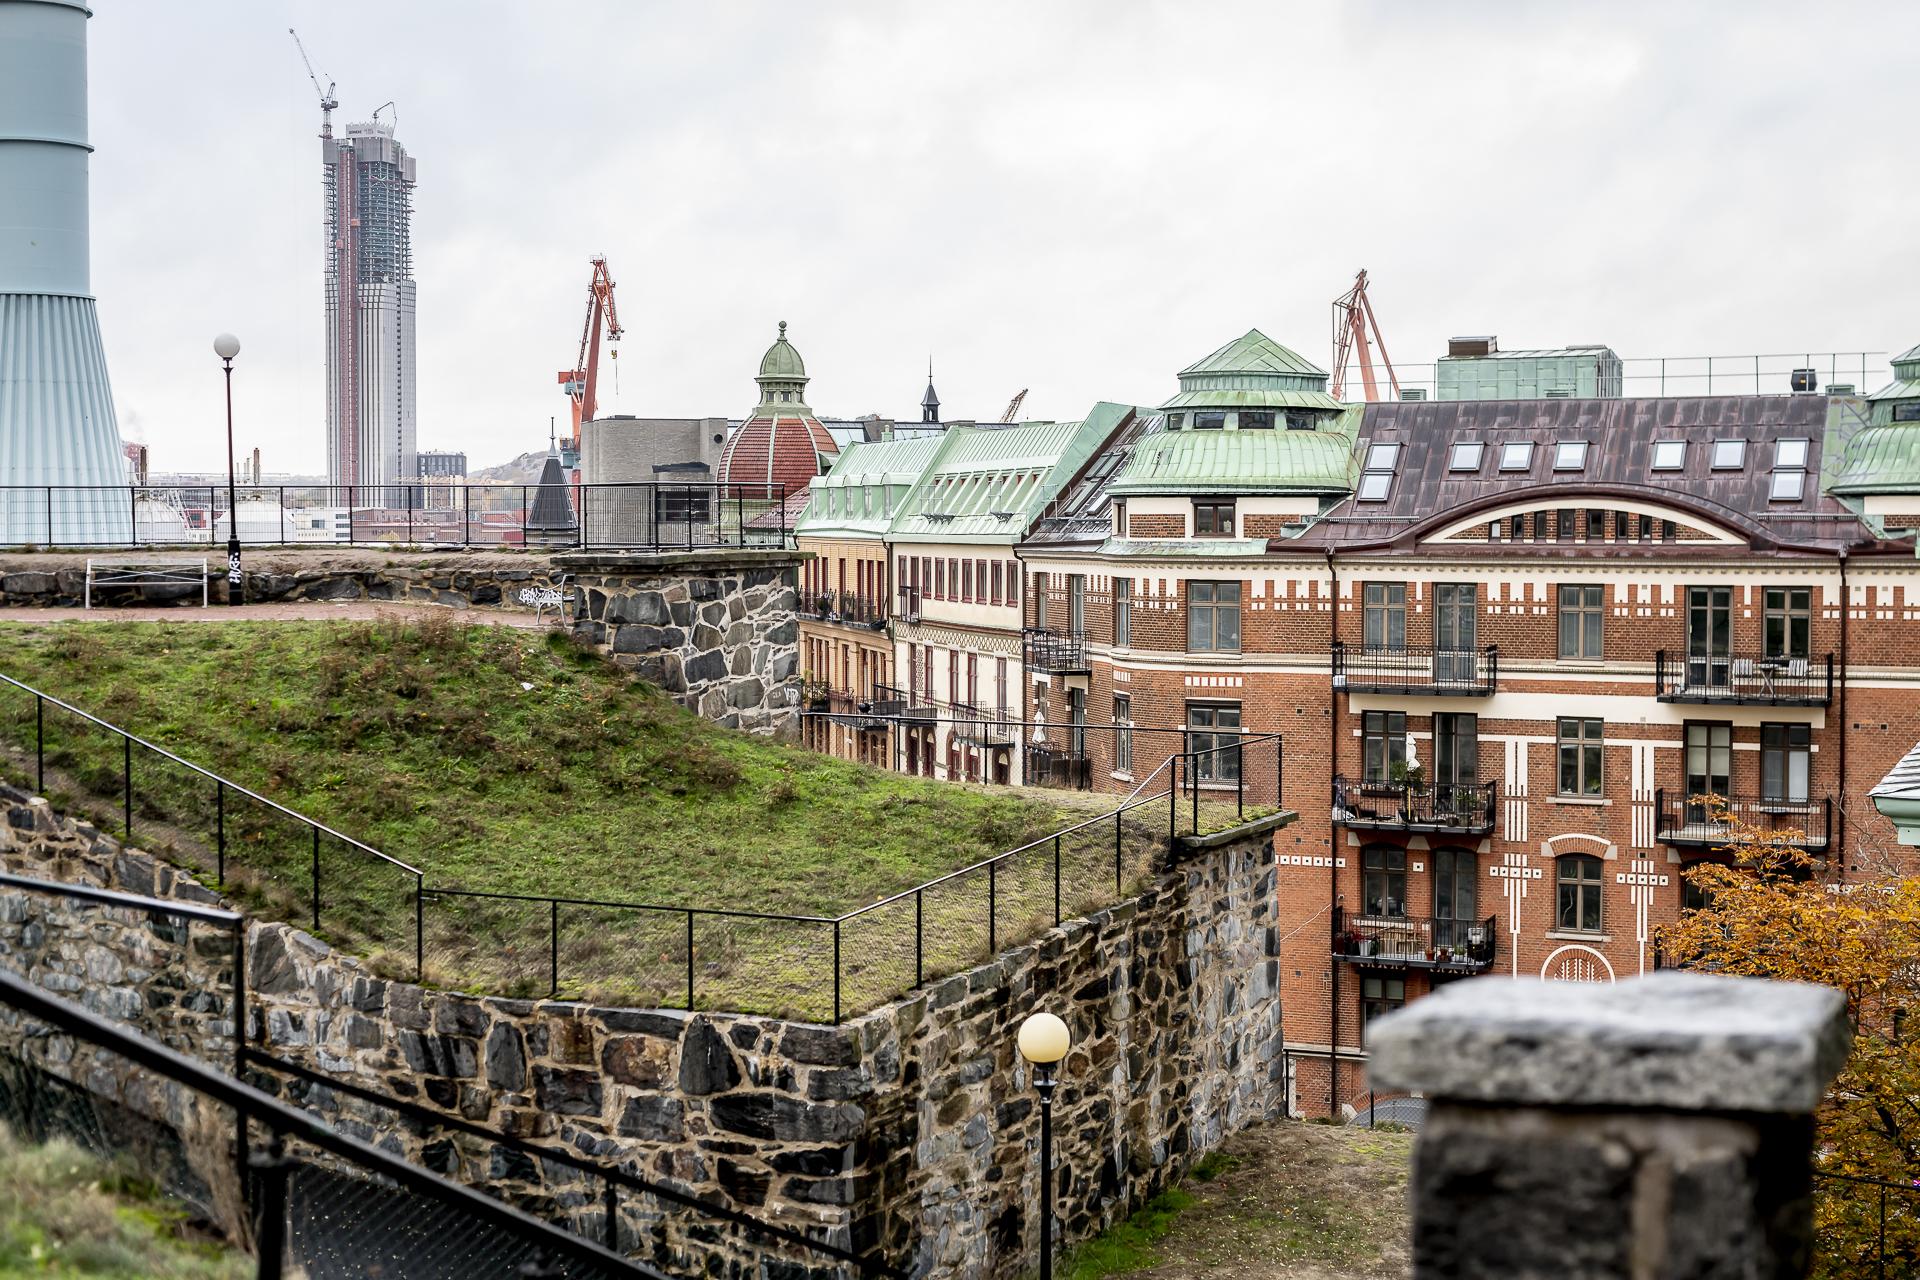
(848, 709)
(1744, 680)
(1709, 822)
(1392, 806)
(1413, 942)
(1464, 673)
(912, 704)
(842, 607)
(983, 726)
(1060, 652)
(1048, 767)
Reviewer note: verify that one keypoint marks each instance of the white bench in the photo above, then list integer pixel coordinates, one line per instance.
(147, 571)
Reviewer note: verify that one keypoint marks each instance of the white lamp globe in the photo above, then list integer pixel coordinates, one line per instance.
(226, 346)
(1044, 1039)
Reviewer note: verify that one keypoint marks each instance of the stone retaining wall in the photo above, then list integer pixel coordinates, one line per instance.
(909, 1132)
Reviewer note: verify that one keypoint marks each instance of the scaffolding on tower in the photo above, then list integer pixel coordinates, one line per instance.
(1352, 320)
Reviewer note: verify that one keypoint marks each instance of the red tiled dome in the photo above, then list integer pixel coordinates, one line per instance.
(783, 450)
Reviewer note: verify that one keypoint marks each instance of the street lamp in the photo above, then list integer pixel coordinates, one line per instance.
(226, 346)
(1043, 1041)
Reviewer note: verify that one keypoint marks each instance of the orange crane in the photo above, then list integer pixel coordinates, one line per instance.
(1013, 406)
(582, 382)
(1352, 318)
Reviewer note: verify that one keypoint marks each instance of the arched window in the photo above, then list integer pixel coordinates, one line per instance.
(1386, 880)
(1579, 899)
(1455, 891)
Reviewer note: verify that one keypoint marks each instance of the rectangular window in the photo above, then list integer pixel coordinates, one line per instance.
(1789, 622)
(1000, 688)
(1300, 420)
(1213, 732)
(1256, 419)
(1790, 454)
(1119, 519)
(1384, 881)
(1570, 455)
(1729, 455)
(1563, 521)
(1077, 604)
(1786, 759)
(953, 578)
(1213, 518)
(1581, 621)
(1384, 613)
(1213, 617)
(1580, 879)
(1379, 997)
(1516, 456)
(973, 679)
(1909, 412)
(999, 573)
(953, 676)
(1465, 456)
(1040, 601)
(1596, 525)
(1787, 486)
(1122, 733)
(966, 581)
(1374, 486)
(1580, 754)
(1204, 421)
(1383, 745)
(1122, 612)
(939, 579)
(1669, 455)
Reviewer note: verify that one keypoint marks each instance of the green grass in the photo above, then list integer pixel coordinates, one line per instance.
(517, 762)
(66, 1214)
(1129, 1246)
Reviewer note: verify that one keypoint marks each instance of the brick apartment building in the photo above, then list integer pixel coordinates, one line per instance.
(1507, 642)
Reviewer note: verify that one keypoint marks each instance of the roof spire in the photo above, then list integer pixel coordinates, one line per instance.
(930, 402)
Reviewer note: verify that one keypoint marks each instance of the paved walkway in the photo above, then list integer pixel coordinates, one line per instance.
(285, 611)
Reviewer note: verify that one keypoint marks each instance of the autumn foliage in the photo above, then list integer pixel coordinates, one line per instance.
(1771, 911)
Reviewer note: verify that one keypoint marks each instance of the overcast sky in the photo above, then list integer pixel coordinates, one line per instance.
(1078, 198)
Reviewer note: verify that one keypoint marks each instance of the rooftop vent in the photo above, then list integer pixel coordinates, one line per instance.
(1557, 393)
(1473, 346)
(1840, 388)
(1806, 380)
(1413, 393)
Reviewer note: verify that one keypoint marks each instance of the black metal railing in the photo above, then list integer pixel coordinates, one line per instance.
(312, 1198)
(1744, 679)
(842, 607)
(812, 966)
(984, 725)
(1709, 821)
(1473, 673)
(1865, 1226)
(914, 704)
(1466, 809)
(1059, 767)
(637, 516)
(1060, 652)
(1386, 940)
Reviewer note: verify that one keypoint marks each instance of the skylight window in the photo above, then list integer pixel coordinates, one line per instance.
(1789, 454)
(1729, 455)
(1465, 456)
(1516, 456)
(1376, 477)
(1570, 455)
(1374, 486)
(1788, 486)
(1669, 455)
(1381, 457)
(1789, 481)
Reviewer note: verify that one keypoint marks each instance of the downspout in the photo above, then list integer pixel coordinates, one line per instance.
(1333, 876)
(1846, 611)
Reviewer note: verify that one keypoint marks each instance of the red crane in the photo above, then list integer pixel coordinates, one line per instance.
(1352, 318)
(582, 382)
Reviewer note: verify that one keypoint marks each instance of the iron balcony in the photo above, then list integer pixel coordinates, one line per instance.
(843, 607)
(983, 726)
(1060, 652)
(1394, 806)
(1744, 679)
(911, 703)
(1467, 673)
(1704, 822)
(1413, 942)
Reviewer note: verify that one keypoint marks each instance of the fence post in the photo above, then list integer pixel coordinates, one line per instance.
(49, 517)
(316, 879)
(283, 512)
(690, 962)
(133, 512)
(419, 928)
(613, 1215)
(919, 939)
(126, 777)
(553, 948)
(220, 831)
(1117, 877)
(1056, 879)
(993, 903)
(240, 1037)
(836, 973)
(39, 744)
(270, 1229)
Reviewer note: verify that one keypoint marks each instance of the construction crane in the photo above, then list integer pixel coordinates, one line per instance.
(327, 100)
(1013, 405)
(1352, 318)
(582, 382)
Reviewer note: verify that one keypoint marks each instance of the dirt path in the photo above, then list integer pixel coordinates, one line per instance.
(1290, 1199)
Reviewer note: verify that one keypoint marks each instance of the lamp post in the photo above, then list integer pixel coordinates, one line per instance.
(1043, 1041)
(226, 346)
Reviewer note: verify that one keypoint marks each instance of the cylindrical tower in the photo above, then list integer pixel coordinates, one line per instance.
(58, 433)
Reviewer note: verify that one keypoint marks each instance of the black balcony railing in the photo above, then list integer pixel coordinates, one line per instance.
(913, 704)
(1061, 652)
(1413, 942)
(1472, 673)
(1701, 821)
(987, 726)
(1059, 767)
(843, 607)
(1744, 678)
(1395, 806)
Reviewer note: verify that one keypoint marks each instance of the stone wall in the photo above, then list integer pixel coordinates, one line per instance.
(909, 1132)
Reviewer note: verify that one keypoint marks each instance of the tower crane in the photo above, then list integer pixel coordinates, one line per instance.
(1013, 405)
(327, 99)
(582, 382)
(1352, 319)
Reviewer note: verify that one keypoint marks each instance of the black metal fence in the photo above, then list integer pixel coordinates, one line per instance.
(1045, 650)
(640, 515)
(1749, 679)
(1414, 942)
(1467, 808)
(1399, 669)
(282, 864)
(1865, 1226)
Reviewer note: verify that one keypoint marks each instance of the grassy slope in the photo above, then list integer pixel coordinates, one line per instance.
(65, 1214)
(493, 759)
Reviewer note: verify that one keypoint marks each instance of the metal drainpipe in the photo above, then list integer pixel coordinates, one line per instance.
(1846, 611)
(1333, 876)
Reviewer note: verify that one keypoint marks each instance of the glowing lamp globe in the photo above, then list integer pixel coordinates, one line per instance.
(226, 346)
(1044, 1039)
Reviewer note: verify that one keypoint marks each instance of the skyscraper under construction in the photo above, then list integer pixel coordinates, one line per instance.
(370, 338)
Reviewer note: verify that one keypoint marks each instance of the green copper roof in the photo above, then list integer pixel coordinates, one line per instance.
(1253, 372)
(1878, 459)
(782, 379)
(990, 484)
(867, 487)
(781, 360)
(1245, 461)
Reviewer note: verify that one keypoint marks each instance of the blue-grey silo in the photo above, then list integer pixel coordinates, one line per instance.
(57, 427)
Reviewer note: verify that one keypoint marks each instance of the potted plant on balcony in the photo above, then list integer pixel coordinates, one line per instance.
(1412, 781)
(1350, 942)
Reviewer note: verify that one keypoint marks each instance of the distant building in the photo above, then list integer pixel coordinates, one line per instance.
(1476, 369)
(440, 462)
(643, 452)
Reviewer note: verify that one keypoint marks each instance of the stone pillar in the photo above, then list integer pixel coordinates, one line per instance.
(1653, 1129)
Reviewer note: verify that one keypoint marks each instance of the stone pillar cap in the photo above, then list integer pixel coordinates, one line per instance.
(1671, 1040)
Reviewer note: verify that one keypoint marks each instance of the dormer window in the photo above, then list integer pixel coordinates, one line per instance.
(1516, 455)
(1789, 454)
(1570, 455)
(1300, 420)
(1669, 455)
(1909, 412)
(1213, 518)
(1210, 422)
(1175, 421)
(1376, 476)
(1789, 480)
(1465, 456)
(1256, 419)
(1729, 455)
